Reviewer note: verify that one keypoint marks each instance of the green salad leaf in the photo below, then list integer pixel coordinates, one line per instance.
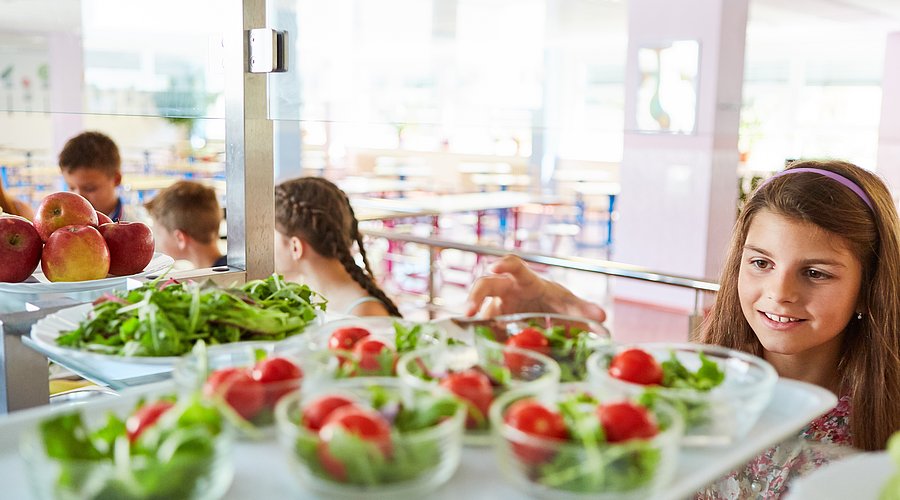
(168, 319)
(171, 459)
(676, 375)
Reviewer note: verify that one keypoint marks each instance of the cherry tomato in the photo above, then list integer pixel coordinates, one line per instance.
(317, 411)
(624, 421)
(279, 376)
(637, 366)
(235, 385)
(344, 339)
(145, 417)
(535, 419)
(531, 339)
(370, 353)
(365, 424)
(475, 388)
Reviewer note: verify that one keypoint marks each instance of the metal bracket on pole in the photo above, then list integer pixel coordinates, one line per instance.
(268, 51)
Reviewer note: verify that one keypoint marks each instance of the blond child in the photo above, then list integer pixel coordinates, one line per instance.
(186, 219)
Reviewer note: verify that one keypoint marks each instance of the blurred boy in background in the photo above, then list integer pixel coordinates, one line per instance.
(92, 167)
(186, 218)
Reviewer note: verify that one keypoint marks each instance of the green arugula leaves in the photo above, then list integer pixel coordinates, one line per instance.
(167, 320)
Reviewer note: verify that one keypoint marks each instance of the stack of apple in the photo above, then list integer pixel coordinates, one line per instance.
(72, 242)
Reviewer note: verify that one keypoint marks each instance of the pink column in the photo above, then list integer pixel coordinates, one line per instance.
(889, 129)
(679, 190)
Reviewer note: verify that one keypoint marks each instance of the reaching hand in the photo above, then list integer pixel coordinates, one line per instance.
(514, 288)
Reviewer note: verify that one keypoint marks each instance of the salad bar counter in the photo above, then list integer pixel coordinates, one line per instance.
(254, 392)
(261, 467)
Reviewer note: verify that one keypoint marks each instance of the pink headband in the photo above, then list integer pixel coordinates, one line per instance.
(831, 175)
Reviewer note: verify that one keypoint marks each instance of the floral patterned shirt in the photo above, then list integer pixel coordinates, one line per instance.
(767, 476)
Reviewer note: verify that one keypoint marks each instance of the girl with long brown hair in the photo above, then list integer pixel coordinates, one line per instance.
(315, 230)
(812, 285)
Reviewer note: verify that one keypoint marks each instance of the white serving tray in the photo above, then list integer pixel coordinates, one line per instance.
(38, 283)
(262, 471)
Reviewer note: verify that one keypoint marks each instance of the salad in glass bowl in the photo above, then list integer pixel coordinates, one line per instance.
(163, 448)
(478, 376)
(569, 340)
(367, 346)
(371, 436)
(571, 444)
(248, 379)
(720, 392)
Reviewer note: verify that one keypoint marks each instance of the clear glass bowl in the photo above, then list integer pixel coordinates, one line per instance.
(343, 364)
(191, 373)
(567, 469)
(506, 367)
(184, 475)
(717, 417)
(584, 337)
(435, 451)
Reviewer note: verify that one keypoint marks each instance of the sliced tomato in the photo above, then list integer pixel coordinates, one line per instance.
(371, 355)
(535, 419)
(624, 421)
(474, 387)
(279, 376)
(344, 339)
(235, 385)
(316, 412)
(530, 339)
(636, 366)
(363, 423)
(145, 417)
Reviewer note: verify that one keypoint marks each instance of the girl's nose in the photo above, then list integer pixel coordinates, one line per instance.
(782, 287)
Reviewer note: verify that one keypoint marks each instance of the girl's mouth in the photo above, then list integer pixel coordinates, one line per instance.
(781, 319)
(778, 322)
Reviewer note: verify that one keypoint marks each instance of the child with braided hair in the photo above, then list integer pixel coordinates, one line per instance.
(315, 229)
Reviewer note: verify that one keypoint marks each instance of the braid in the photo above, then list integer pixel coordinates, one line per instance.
(317, 210)
(354, 234)
(364, 280)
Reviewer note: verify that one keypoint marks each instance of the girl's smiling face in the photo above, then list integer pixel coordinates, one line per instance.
(798, 284)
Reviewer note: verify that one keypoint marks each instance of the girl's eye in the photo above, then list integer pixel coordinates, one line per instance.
(760, 263)
(816, 274)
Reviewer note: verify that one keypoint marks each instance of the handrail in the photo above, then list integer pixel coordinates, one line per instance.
(576, 263)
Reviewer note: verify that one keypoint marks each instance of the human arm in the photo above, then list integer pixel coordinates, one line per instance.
(512, 287)
(24, 209)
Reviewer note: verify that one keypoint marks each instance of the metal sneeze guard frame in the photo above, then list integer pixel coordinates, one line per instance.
(605, 267)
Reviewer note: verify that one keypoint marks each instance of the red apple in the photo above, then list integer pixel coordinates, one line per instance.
(75, 253)
(102, 218)
(63, 209)
(20, 248)
(130, 246)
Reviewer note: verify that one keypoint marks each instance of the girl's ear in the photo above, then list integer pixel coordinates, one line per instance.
(296, 246)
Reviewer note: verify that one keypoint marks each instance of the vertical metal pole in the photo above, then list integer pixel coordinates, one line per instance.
(249, 171)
